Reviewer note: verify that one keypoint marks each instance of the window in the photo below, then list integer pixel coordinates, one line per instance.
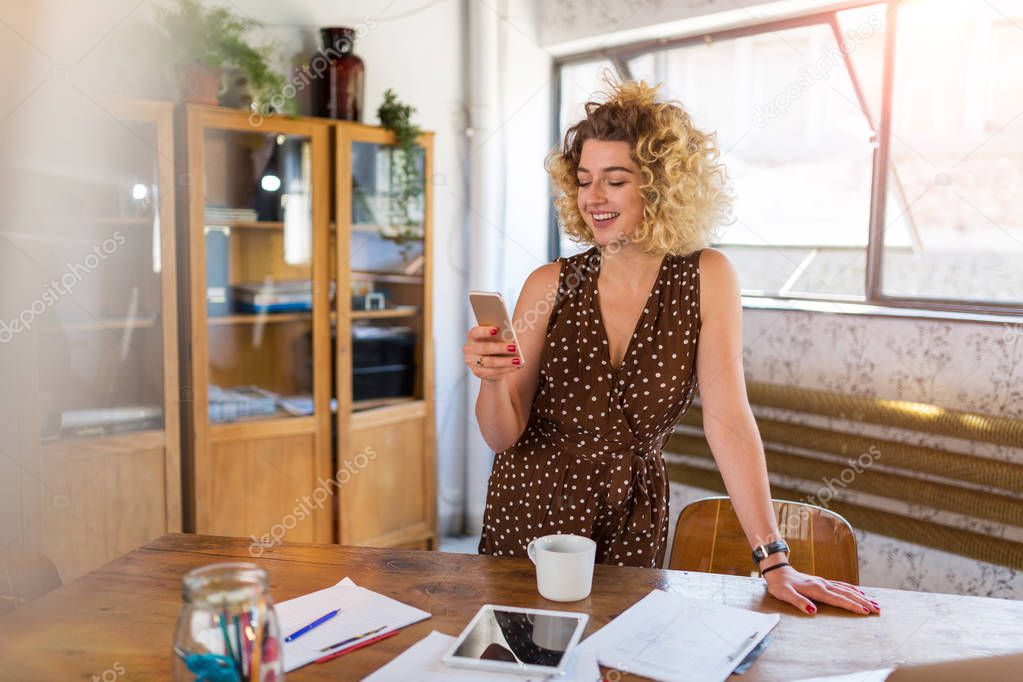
(797, 108)
(953, 227)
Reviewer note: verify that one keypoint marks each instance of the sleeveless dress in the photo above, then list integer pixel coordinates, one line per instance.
(589, 461)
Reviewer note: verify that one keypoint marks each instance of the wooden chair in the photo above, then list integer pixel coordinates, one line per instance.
(708, 538)
(25, 575)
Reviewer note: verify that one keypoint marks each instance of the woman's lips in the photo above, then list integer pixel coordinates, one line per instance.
(606, 222)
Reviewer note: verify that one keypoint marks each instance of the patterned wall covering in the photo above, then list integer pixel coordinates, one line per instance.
(974, 367)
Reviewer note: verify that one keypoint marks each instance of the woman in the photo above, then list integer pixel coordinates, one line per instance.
(613, 340)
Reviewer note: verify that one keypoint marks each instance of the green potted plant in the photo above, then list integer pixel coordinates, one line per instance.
(406, 177)
(202, 43)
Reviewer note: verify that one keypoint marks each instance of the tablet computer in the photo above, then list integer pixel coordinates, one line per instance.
(517, 640)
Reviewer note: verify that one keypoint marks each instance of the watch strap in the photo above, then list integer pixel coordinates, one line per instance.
(761, 552)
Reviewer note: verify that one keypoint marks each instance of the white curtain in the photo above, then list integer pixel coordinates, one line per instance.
(510, 112)
(486, 173)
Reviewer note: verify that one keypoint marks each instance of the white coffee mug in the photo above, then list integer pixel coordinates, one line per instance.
(564, 566)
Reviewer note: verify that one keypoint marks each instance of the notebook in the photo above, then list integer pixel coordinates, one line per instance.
(362, 611)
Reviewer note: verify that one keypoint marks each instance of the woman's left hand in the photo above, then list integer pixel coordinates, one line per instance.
(802, 590)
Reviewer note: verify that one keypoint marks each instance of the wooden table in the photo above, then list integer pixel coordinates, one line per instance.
(118, 622)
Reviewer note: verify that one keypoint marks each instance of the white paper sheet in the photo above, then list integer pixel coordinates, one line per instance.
(421, 662)
(673, 638)
(362, 610)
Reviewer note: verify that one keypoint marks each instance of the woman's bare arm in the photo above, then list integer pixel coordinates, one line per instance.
(506, 394)
(735, 440)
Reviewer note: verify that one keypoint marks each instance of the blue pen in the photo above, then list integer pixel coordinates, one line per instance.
(307, 628)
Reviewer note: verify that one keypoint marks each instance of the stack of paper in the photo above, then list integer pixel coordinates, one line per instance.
(673, 638)
(422, 662)
(362, 611)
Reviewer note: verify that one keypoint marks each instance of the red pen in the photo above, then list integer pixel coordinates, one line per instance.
(367, 642)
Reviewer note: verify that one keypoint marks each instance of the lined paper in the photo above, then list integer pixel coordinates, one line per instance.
(362, 610)
(673, 638)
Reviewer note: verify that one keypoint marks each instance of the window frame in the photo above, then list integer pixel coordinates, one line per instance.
(874, 297)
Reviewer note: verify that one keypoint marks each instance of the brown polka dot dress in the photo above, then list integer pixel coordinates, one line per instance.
(589, 461)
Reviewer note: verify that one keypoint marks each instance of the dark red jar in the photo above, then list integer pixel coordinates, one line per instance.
(345, 85)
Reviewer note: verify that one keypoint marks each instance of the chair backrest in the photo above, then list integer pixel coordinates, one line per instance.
(25, 575)
(708, 538)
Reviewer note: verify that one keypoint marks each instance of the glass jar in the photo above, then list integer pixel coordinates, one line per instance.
(227, 628)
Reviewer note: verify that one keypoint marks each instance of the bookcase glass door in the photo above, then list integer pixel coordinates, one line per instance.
(259, 283)
(102, 343)
(386, 265)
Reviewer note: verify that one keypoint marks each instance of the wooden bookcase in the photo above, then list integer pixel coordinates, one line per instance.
(391, 501)
(282, 219)
(245, 475)
(104, 381)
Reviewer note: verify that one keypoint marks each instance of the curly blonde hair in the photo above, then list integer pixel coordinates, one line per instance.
(685, 189)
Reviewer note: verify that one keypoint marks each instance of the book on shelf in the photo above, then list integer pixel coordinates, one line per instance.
(301, 405)
(106, 421)
(274, 296)
(218, 292)
(225, 215)
(230, 404)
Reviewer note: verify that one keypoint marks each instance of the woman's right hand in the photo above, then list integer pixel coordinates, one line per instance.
(487, 356)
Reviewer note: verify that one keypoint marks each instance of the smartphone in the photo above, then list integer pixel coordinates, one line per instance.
(491, 312)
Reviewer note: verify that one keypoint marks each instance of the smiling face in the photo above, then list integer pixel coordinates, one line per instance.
(609, 198)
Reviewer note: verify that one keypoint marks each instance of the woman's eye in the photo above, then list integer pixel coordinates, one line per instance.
(587, 184)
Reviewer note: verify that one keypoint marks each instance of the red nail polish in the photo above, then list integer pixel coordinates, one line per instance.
(493, 331)
(516, 361)
(866, 610)
(811, 609)
(511, 347)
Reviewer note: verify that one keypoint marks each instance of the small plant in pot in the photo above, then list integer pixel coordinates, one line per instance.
(203, 44)
(406, 176)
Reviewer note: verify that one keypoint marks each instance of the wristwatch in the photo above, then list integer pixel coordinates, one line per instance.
(761, 552)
